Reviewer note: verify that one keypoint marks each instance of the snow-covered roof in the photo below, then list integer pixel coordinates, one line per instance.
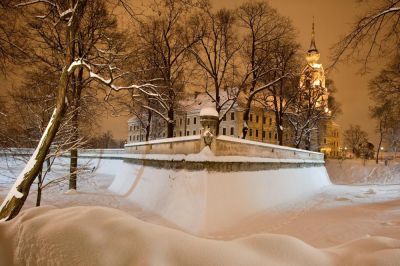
(209, 111)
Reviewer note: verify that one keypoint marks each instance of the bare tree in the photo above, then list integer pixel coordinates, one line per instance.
(375, 33)
(165, 40)
(354, 137)
(384, 92)
(69, 18)
(215, 54)
(269, 54)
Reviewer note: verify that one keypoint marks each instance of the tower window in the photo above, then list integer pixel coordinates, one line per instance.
(232, 116)
(194, 120)
(256, 118)
(224, 131)
(232, 131)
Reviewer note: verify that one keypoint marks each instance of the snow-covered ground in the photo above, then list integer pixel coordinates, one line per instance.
(366, 203)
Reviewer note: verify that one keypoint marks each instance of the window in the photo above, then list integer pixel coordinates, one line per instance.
(194, 132)
(137, 137)
(163, 134)
(264, 120)
(194, 120)
(251, 132)
(251, 117)
(224, 117)
(232, 116)
(224, 131)
(270, 121)
(232, 131)
(256, 133)
(263, 134)
(256, 118)
(324, 141)
(180, 133)
(130, 138)
(270, 135)
(188, 121)
(275, 135)
(180, 121)
(187, 133)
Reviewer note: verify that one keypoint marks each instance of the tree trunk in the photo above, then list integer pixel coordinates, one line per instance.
(246, 115)
(170, 124)
(73, 168)
(48, 165)
(39, 189)
(148, 126)
(379, 148)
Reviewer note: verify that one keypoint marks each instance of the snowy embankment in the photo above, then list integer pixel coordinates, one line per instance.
(358, 171)
(103, 236)
(204, 202)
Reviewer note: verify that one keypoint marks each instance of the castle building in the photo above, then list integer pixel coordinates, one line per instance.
(325, 138)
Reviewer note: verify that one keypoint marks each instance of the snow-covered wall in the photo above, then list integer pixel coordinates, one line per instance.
(220, 146)
(206, 189)
(207, 201)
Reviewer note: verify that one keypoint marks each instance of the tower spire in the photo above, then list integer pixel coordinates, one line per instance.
(313, 47)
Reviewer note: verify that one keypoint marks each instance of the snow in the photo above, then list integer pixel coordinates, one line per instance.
(209, 111)
(104, 236)
(257, 143)
(356, 224)
(205, 155)
(166, 140)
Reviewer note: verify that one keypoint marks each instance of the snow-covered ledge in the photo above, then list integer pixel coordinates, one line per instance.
(193, 149)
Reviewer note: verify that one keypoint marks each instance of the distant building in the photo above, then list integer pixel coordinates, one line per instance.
(326, 138)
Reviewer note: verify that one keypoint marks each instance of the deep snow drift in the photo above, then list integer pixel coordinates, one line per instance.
(329, 217)
(104, 236)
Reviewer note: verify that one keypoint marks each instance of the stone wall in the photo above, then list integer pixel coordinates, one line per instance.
(221, 146)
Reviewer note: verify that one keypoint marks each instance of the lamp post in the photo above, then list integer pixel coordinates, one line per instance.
(382, 153)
